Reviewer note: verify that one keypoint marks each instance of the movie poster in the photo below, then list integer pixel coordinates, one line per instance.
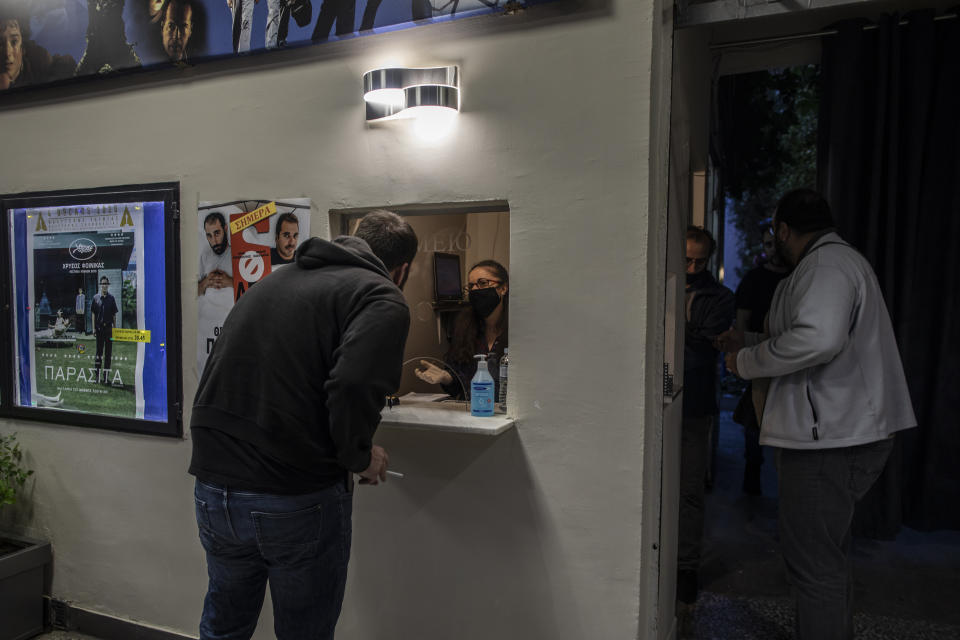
(54, 40)
(241, 243)
(81, 322)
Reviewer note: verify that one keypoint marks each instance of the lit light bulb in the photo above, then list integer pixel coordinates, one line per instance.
(432, 124)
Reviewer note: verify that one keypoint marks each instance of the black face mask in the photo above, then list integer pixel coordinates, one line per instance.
(697, 278)
(484, 301)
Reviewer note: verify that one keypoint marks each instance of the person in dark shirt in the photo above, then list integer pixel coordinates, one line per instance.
(754, 295)
(286, 235)
(104, 310)
(284, 415)
(709, 312)
(480, 329)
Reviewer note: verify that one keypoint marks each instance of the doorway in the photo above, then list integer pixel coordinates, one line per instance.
(903, 586)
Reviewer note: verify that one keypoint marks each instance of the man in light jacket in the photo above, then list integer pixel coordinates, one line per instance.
(837, 395)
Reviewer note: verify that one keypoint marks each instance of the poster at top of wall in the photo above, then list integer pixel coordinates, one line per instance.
(54, 40)
(241, 242)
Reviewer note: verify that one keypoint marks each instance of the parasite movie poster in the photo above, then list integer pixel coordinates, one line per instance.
(89, 321)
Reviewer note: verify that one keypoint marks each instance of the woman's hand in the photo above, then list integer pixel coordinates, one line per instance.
(432, 374)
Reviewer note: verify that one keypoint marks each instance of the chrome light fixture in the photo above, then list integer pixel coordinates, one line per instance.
(390, 91)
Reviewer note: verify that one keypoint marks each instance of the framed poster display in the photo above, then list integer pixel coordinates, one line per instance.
(57, 41)
(92, 292)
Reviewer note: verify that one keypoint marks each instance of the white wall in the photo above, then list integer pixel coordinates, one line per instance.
(534, 534)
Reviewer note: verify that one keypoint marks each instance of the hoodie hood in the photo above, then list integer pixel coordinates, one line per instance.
(343, 250)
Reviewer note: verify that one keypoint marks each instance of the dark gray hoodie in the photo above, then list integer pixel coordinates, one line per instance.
(292, 392)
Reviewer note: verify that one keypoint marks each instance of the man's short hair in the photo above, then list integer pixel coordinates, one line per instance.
(701, 236)
(805, 211)
(391, 238)
(102, 278)
(215, 216)
(284, 217)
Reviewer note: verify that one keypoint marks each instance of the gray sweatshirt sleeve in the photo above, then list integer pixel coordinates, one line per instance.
(823, 302)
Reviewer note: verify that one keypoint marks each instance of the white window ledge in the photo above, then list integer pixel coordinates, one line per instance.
(443, 416)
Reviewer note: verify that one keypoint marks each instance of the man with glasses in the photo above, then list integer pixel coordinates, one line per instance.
(710, 309)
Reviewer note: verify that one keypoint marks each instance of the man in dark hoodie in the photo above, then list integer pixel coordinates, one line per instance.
(284, 415)
(710, 309)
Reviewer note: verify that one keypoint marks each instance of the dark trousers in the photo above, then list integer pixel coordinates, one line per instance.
(746, 415)
(339, 11)
(104, 350)
(419, 10)
(694, 449)
(752, 450)
(299, 544)
(818, 491)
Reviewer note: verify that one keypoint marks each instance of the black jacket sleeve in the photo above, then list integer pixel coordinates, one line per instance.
(366, 368)
(713, 313)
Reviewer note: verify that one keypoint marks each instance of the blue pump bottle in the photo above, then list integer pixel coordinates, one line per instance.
(481, 389)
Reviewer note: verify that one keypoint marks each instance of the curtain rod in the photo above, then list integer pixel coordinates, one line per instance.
(808, 35)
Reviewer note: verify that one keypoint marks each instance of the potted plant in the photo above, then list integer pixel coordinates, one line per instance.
(24, 563)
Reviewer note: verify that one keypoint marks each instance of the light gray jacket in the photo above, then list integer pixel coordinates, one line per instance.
(836, 375)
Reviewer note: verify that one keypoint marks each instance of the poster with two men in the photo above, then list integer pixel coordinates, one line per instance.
(241, 242)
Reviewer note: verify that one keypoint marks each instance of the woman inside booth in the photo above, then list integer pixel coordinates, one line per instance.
(480, 329)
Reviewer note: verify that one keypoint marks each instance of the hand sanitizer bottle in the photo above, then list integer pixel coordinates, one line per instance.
(504, 366)
(481, 389)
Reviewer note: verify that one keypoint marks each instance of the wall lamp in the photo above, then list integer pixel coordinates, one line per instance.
(389, 92)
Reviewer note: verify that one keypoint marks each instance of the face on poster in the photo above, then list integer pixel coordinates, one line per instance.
(80, 319)
(241, 242)
(45, 41)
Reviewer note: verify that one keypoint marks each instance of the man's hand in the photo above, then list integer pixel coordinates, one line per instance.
(432, 374)
(729, 340)
(218, 279)
(377, 471)
(731, 361)
(202, 284)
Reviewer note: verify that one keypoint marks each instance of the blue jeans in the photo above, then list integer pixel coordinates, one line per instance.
(300, 544)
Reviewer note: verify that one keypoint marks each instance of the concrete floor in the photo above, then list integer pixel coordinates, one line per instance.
(907, 588)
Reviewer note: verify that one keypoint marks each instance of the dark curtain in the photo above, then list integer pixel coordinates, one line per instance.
(888, 164)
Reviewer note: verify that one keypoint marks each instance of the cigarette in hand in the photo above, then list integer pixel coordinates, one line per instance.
(395, 474)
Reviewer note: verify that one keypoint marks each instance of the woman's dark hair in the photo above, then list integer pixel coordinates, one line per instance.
(468, 329)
